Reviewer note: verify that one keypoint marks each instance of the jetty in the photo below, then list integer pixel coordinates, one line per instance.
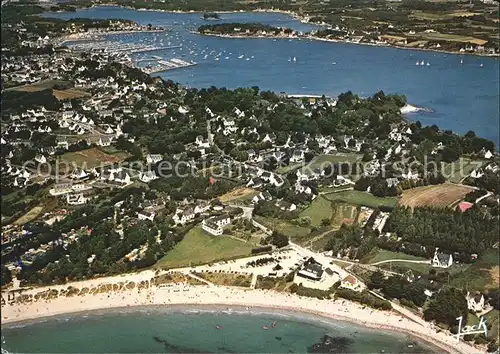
(166, 65)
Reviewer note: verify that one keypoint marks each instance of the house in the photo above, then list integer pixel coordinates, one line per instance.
(154, 158)
(477, 173)
(148, 176)
(464, 206)
(76, 199)
(442, 260)
(40, 159)
(476, 302)
(311, 270)
(79, 174)
(183, 216)
(104, 141)
(121, 177)
(201, 142)
(255, 182)
(201, 208)
(297, 156)
(285, 206)
(146, 215)
(215, 225)
(488, 155)
(350, 282)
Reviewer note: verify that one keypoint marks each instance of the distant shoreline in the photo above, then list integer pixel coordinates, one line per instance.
(302, 20)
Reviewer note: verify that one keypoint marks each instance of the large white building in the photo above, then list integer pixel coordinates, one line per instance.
(215, 225)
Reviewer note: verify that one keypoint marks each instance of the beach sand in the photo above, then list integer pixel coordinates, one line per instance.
(183, 294)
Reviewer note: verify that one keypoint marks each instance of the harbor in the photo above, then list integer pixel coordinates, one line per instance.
(119, 47)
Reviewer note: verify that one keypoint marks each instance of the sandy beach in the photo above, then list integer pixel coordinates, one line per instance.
(185, 294)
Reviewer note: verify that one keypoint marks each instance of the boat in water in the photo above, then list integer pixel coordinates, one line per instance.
(417, 63)
(422, 63)
(428, 64)
(294, 59)
(481, 65)
(461, 61)
(265, 328)
(241, 56)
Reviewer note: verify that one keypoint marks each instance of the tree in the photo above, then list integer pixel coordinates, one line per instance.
(279, 240)
(447, 306)
(6, 276)
(376, 280)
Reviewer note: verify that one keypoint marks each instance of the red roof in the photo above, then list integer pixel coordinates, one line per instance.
(464, 206)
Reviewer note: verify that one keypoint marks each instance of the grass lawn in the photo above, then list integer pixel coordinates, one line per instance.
(361, 198)
(493, 318)
(378, 255)
(459, 169)
(323, 160)
(198, 247)
(294, 232)
(31, 215)
(39, 86)
(481, 275)
(452, 38)
(400, 267)
(319, 209)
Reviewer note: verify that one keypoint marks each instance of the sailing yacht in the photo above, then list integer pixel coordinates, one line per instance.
(294, 59)
(417, 63)
(241, 56)
(428, 64)
(461, 61)
(289, 59)
(422, 63)
(481, 65)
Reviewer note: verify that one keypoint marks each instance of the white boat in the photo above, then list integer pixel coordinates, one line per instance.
(428, 64)
(205, 57)
(289, 59)
(241, 56)
(461, 61)
(422, 63)
(481, 65)
(226, 58)
(294, 59)
(417, 63)
(216, 59)
(247, 59)
(252, 57)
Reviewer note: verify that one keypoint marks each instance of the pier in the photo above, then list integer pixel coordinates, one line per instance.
(165, 65)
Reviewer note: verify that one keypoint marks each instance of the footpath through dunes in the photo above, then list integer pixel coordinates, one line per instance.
(441, 195)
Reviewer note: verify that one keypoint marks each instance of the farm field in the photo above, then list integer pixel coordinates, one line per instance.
(91, 158)
(441, 195)
(452, 38)
(319, 209)
(343, 214)
(198, 247)
(32, 214)
(361, 198)
(69, 94)
(239, 194)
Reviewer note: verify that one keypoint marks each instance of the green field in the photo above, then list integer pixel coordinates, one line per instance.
(481, 275)
(198, 247)
(379, 255)
(319, 209)
(361, 198)
(322, 160)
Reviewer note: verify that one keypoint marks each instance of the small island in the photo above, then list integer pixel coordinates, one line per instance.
(211, 16)
(245, 30)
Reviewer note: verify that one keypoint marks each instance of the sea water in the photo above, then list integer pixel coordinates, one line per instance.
(462, 97)
(159, 329)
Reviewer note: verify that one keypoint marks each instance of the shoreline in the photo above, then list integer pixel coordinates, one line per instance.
(181, 294)
(287, 313)
(302, 20)
(312, 38)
